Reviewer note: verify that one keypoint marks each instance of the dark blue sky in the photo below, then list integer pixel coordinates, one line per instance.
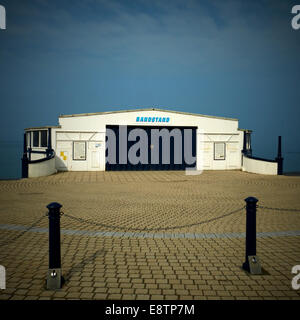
(232, 58)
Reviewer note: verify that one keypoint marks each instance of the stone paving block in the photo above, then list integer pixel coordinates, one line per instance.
(141, 291)
(186, 297)
(59, 294)
(88, 296)
(114, 290)
(87, 289)
(150, 282)
(73, 295)
(128, 297)
(128, 290)
(142, 297)
(100, 296)
(17, 297)
(209, 293)
(114, 296)
(151, 286)
(171, 297)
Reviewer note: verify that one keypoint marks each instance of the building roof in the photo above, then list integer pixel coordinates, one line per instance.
(247, 130)
(147, 109)
(41, 128)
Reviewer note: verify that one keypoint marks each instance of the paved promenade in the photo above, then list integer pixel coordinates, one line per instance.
(150, 235)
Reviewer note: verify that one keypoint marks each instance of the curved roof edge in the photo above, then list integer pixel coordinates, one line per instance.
(247, 130)
(147, 109)
(40, 128)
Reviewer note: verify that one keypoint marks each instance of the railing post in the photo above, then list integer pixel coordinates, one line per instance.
(49, 144)
(54, 277)
(24, 166)
(279, 158)
(251, 263)
(25, 159)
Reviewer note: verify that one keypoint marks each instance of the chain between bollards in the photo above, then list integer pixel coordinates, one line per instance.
(54, 276)
(55, 279)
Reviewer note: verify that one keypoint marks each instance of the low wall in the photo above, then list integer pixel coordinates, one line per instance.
(259, 166)
(40, 169)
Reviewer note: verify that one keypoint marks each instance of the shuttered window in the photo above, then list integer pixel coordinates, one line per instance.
(219, 149)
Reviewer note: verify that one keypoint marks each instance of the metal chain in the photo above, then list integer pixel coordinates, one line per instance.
(140, 229)
(278, 209)
(150, 229)
(50, 217)
(22, 233)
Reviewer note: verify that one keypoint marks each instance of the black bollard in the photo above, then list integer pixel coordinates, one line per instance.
(54, 277)
(251, 263)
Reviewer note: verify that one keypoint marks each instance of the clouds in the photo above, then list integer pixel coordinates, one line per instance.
(187, 34)
(226, 58)
(138, 36)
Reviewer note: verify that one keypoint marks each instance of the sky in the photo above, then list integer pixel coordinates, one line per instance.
(237, 59)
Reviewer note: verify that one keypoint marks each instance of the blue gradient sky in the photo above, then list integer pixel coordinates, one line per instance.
(232, 58)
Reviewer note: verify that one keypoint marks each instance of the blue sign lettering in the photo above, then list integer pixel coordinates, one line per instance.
(152, 119)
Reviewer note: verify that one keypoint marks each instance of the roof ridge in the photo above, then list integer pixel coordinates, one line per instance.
(144, 109)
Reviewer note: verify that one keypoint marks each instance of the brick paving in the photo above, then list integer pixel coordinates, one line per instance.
(149, 241)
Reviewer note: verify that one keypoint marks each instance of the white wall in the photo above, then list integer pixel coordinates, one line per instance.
(37, 156)
(98, 122)
(40, 169)
(95, 151)
(232, 159)
(259, 166)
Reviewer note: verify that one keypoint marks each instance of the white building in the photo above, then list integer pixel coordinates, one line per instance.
(80, 143)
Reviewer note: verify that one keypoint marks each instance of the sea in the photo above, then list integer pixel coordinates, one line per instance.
(11, 166)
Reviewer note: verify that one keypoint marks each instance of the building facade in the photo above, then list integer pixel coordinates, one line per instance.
(139, 139)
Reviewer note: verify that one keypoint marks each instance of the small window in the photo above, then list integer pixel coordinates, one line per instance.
(35, 138)
(28, 140)
(219, 149)
(79, 150)
(44, 141)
